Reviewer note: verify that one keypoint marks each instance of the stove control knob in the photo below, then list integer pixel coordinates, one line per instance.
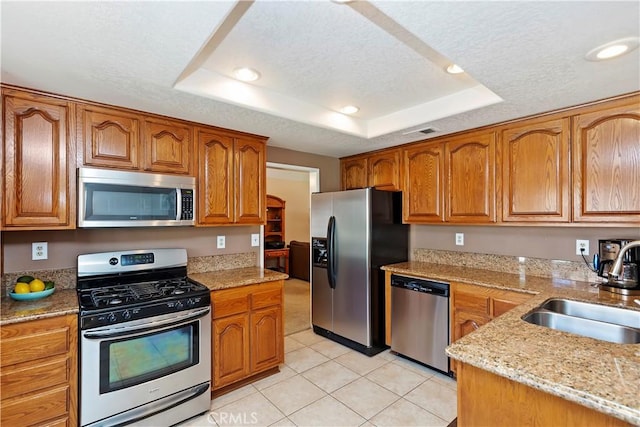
(111, 317)
(126, 315)
(179, 305)
(191, 302)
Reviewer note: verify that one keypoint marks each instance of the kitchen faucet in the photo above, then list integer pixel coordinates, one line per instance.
(617, 265)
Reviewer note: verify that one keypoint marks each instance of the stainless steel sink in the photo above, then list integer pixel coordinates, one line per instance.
(613, 324)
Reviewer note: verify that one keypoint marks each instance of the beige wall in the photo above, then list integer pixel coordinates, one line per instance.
(293, 187)
(537, 242)
(329, 166)
(65, 246)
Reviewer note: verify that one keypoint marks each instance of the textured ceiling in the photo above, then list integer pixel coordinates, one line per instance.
(385, 56)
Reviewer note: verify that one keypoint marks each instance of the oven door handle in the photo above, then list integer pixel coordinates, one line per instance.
(127, 330)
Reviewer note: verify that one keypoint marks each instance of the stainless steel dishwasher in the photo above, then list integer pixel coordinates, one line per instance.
(420, 320)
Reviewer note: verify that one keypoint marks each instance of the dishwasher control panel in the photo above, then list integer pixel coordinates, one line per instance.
(420, 285)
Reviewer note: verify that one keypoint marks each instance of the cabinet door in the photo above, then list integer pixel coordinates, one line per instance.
(424, 185)
(39, 168)
(535, 172)
(354, 173)
(215, 178)
(606, 165)
(109, 137)
(266, 339)
(471, 189)
(466, 322)
(384, 171)
(250, 178)
(230, 349)
(167, 146)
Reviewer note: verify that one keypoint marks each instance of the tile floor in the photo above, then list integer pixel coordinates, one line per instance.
(323, 383)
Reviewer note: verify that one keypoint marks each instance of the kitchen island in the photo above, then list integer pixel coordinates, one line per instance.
(599, 375)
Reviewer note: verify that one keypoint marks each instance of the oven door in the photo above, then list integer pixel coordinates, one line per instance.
(133, 371)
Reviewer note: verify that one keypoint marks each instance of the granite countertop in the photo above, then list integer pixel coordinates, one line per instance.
(65, 301)
(597, 374)
(61, 302)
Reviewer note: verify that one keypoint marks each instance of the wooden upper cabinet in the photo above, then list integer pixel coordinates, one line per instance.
(231, 179)
(168, 146)
(109, 137)
(535, 172)
(39, 162)
(424, 185)
(606, 164)
(471, 185)
(354, 173)
(215, 178)
(250, 178)
(384, 170)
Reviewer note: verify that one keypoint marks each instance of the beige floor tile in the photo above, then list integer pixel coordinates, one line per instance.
(415, 367)
(365, 397)
(293, 393)
(285, 372)
(330, 376)
(307, 337)
(436, 398)
(291, 345)
(232, 396)
(330, 349)
(404, 413)
(396, 378)
(446, 380)
(326, 412)
(388, 355)
(303, 359)
(285, 422)
(199, 421)
(359, 363)
(252, 410)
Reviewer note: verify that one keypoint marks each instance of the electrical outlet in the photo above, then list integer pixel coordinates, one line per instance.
(459, 239)
(39, 250)
(582, 247)
(255, 239)
(221, 242)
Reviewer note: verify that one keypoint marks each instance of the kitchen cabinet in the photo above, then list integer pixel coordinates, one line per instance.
(39, 372)
(424, 183)
(488, 399)
(231, 178)
(38, 159)
(535, 172)
(471, 182)
(109, 137)
(354, 173)
(247, 333)
(168, 146)
(606, 163)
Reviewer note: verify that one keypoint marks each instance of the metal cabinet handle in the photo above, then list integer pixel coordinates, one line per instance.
(474, 324)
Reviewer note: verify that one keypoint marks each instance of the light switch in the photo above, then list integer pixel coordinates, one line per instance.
(255, 239)
(221, 242)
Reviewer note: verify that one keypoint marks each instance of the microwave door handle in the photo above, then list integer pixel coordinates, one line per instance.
(178, 204)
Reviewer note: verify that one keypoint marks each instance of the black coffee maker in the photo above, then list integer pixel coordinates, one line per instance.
(608, 252)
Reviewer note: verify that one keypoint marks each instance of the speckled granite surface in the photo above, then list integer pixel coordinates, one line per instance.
(597, 374)
(224, 279)
(62, 301)
(221, 262)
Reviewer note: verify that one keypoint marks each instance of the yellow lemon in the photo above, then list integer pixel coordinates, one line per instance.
(36, 285)
(21, 288)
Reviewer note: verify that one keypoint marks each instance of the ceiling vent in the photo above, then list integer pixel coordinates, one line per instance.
(425, 131)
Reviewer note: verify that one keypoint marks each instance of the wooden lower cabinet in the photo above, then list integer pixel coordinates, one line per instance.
(486, 399)
(39, 372)
(247, 333)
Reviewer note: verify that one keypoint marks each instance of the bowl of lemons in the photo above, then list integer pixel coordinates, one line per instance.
(29, 288)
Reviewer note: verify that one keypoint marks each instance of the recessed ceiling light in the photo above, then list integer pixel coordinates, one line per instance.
(246, 74)
(349, 109)
(612, 49)
(454, 69)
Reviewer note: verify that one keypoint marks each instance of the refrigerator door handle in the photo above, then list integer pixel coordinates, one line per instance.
(331, 253)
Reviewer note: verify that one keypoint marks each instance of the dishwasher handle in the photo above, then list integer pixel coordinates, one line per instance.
(432, 287)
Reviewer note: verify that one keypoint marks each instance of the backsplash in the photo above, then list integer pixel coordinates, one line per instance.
(66, 278)
(569, 270)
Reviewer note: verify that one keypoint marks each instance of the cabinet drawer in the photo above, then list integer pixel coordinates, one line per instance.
(41, 344)
(266, 297)
(36, 408)
(471, 302)
(28, 377)
(228, 302)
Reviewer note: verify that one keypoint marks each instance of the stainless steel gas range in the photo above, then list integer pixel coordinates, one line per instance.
(145, 339)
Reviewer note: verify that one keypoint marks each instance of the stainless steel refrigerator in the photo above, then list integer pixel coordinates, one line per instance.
(353, 234)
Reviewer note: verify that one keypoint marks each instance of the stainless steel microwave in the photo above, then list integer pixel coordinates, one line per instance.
(111, 198)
